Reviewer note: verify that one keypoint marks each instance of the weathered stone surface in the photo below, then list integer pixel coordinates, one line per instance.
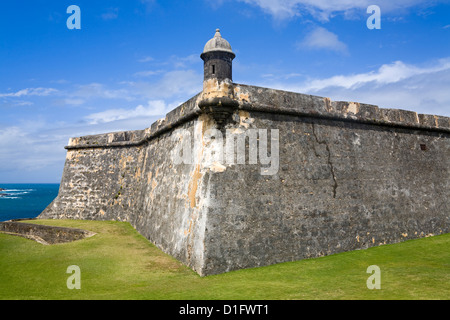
(139, 184)
(341, 186)
(350, 176)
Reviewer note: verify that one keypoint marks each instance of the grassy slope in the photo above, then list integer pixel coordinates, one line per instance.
(118, 263)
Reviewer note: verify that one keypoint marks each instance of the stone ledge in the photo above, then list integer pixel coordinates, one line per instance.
(27, 236)
(285, 102)
(44, 234)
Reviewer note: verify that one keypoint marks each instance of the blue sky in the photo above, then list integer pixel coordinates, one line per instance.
(133, 61)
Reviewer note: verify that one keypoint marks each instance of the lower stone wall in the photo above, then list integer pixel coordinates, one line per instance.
(44, 234)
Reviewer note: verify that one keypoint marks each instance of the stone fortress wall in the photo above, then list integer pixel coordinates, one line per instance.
(350, 176)
(343, 175)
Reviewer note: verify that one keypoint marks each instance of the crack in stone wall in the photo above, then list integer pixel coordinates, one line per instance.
(330, 163)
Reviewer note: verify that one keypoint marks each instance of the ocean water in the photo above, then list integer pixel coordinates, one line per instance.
(23, 201)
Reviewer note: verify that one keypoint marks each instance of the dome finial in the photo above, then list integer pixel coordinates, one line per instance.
(218, 44)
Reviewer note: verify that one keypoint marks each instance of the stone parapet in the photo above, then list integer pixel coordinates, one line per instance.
(284, 102)
(252, 98)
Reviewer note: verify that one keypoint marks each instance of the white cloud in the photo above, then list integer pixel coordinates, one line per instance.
(30, 92)
(398, 85)
(321, 38)
(279, 9)
(147, 73)
(146, 59)
(182, 81)
(98, 90)
(68, 102)
(60, 81)
(176, 62)
(183, 62)
(324, 9)
(23, 103)
(386, 74)
(28, 152)
(178, 83)
(111, 14)
(153, 108)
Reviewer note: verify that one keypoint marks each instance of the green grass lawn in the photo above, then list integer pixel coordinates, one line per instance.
(118, 263)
